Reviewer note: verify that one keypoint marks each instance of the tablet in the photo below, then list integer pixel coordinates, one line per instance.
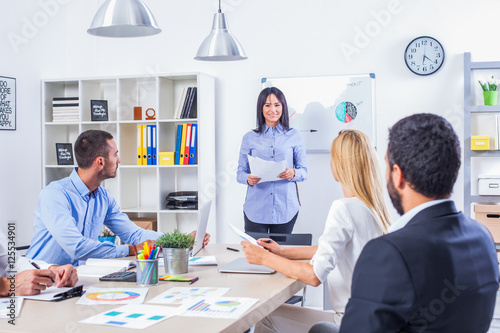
(241, 265)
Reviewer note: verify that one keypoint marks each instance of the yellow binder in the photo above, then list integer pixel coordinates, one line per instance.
(183, 143)
(144, 129)
(139, 145)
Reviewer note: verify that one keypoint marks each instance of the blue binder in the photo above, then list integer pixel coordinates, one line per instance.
(153, 144)
(192, 148)
(178, 144)
(149, 146)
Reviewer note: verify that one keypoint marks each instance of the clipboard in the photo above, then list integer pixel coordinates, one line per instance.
(51, 294)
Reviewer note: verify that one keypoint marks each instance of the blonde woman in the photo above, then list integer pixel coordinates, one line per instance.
(352, 221)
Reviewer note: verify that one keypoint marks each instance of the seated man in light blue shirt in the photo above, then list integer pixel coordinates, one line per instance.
(70, 212)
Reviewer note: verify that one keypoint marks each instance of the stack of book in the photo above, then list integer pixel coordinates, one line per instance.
(65, 109)
(186, 107)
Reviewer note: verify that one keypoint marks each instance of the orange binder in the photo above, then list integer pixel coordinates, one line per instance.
(183, 143)
(188, 143)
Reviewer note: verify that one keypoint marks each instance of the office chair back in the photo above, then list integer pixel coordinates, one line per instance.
(287, 239)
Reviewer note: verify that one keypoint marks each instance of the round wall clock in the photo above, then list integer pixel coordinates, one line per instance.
(424, 55)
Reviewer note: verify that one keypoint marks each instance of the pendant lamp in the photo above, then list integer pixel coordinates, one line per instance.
(123, 18)
(220, 45)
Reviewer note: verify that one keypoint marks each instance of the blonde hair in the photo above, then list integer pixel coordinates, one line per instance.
(356, 167)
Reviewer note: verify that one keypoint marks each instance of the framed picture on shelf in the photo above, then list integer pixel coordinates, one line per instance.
(64, 153)
(99, 110)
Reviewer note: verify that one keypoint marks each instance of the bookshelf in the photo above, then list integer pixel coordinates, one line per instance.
(476, 122)
(140, 190)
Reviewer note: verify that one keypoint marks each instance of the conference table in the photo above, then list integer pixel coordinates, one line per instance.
(272, 290)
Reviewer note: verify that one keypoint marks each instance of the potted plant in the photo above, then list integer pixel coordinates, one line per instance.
(106, 235)
(176, 247)
(490, 92)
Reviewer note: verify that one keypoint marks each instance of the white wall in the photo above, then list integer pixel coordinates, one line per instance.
(280, 37)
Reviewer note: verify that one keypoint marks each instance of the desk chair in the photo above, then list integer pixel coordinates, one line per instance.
(288, 239)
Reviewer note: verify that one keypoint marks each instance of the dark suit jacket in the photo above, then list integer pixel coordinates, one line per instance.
(437, 274)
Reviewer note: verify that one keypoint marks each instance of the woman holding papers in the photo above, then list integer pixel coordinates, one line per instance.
(352, 221)
(272, 203)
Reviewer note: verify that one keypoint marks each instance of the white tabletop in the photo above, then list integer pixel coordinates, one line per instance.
(271, 290)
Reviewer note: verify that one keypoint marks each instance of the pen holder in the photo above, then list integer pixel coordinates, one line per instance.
(147, 272)
(176, 260)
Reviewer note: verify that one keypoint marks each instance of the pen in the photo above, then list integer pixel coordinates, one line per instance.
(34, 264)
(193, 280)
(267, 241)
(230, 248)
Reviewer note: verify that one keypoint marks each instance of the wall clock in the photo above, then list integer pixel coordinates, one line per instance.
(424, 55)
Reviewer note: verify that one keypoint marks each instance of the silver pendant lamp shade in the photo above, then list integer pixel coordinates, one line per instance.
(123, 18)
(220, 45)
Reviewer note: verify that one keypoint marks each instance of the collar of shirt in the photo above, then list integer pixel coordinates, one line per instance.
(80, 185)
(278, 128)
(405, 218)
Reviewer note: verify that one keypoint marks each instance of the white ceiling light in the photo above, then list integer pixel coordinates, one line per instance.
(123, 18)
(220, 45)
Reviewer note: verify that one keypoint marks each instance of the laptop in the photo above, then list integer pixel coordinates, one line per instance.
(202, 228)
(241, 265)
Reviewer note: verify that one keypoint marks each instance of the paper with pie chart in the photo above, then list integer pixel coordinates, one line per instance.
(218, 307)
(183, 295)
(113, 296)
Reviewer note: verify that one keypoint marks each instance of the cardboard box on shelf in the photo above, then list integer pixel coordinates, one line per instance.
(489, 216)
(146, 223)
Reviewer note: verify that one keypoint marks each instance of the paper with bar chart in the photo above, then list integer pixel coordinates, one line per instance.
(183, 295)
(113, 296)
(137, 316)
(218, 307)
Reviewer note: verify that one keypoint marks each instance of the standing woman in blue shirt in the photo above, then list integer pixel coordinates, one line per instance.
(272, 207)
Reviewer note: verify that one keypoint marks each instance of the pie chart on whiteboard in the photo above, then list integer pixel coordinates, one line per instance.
(346, 112)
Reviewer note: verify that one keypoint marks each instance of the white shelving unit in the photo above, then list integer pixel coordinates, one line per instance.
(140, 190)
(475, 124)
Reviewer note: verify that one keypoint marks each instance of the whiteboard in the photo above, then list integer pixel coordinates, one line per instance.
(319, 107)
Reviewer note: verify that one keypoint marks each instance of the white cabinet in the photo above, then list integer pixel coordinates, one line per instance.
(479, 119)
(140, 190)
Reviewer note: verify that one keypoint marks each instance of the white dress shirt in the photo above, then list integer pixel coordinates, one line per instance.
(21, 264)
(349, 226)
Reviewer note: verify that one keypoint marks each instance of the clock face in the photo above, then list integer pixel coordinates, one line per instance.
(424, 55)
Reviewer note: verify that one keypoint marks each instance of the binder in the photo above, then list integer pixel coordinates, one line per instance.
(192, 149)
(188, 143)
(183, 143)
(178, 144)
(144, 144)
(139, 144)
(180, 104)
(192, 98)
(186, 102)
(149, 147)
(153, 144)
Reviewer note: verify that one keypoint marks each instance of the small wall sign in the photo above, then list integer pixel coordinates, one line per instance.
(99, 110)
(7, 103)
(64, 153)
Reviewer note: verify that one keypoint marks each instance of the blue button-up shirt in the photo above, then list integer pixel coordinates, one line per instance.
(68, 220)
(273, 202)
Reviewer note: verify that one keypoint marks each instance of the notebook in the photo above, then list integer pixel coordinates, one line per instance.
(241, 265)
(96, 267)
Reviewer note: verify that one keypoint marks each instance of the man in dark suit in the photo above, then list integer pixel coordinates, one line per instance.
(436, 270)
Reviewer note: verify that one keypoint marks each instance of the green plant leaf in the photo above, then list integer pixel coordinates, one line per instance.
(175, 240)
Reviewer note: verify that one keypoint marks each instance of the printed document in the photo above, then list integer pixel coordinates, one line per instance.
(266, 170)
